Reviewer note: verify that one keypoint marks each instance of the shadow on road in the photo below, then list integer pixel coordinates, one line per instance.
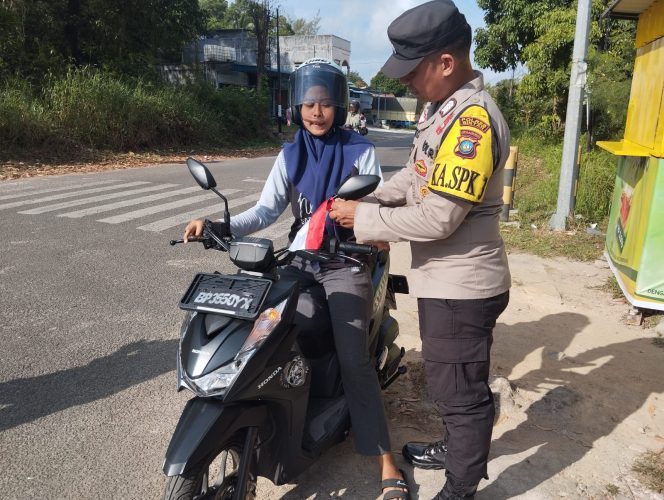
(585, 397)
(27, 399)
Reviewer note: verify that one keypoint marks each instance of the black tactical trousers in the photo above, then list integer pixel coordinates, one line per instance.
(456, 345)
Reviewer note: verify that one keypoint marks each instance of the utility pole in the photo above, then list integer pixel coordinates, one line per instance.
(568, 170)
(278, 77)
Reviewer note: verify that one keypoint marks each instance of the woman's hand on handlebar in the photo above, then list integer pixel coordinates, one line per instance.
(194, 228)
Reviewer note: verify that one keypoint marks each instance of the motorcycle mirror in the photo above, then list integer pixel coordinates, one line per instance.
(358, 186)
(201, 173)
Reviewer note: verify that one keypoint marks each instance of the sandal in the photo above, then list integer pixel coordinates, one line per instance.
(396, 483)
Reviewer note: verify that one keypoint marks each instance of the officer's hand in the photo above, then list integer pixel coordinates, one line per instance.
(343, 212)
(194, 228)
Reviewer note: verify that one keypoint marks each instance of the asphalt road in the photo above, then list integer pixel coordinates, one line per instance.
(88, 294)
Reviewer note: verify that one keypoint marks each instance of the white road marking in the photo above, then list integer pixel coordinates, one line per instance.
(276, 230)
(137, 214)
(70, 195)
(94, 199)
(32, 191)
(176, 220)
(128, 203)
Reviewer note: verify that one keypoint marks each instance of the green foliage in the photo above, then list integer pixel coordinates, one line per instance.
(540, 34)
(96, 110)
(214, 12)
(390, 85)
(538, 174)
(610, 80)
(47, 36)
(510, 28)
(355, 78)
(303, 27)
(238, 15)
(536, 195)
(23, 120)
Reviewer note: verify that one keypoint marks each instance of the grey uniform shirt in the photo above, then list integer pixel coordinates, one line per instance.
(446, 201)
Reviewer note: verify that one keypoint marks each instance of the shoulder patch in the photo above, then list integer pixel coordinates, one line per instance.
(464, 162)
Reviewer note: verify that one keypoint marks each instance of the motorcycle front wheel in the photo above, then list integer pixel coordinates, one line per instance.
(215, 479)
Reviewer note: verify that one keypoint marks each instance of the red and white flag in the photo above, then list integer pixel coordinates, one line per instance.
(310, 235)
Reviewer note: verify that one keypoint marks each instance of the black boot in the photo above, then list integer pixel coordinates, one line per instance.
(425, 455)
(455, 489)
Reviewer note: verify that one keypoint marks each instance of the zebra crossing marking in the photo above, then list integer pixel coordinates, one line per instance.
(127, 203)
(275, 230)
(176, 220)
(93, 199)
(70, 195)
(137, 214)
(30, 191)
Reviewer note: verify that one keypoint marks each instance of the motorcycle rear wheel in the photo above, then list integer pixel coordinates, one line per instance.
(198, 483)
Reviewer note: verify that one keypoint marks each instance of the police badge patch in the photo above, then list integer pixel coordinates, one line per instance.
(467, 144)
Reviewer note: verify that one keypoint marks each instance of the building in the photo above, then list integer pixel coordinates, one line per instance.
(228, 57)
(297, 49)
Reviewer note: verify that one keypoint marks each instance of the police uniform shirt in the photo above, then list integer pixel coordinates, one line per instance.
(448, 199)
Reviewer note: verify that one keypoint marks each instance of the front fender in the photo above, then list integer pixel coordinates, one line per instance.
(203, 425)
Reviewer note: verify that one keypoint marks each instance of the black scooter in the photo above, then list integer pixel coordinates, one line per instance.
(268, 400)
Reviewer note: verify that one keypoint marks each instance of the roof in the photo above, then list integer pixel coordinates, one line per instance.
(627, 9)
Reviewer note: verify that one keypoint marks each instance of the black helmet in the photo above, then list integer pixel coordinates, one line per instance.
(355, 103)
(319, 72)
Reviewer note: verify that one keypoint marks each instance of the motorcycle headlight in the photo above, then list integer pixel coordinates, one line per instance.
(217, 382)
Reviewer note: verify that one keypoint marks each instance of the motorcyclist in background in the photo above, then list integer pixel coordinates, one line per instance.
(354, 117)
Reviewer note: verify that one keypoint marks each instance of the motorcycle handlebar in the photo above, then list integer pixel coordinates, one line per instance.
(347, 247)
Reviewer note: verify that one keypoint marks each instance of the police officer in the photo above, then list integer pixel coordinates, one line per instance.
(446, 202)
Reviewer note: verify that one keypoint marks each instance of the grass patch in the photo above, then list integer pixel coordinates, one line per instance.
(651, 318)
(650, 467)
(574, 244)
(611, 286)
(536, 195)
(612, 490)
(89, 113)
(538, 174)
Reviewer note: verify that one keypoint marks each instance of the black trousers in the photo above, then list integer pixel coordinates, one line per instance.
(456, 346)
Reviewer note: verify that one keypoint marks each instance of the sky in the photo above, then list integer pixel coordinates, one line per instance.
(364, 23)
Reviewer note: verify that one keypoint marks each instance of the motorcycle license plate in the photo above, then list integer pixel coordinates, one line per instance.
(229, 295)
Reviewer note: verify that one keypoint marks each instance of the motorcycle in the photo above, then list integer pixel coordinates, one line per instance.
(266, 402)
(361, 128)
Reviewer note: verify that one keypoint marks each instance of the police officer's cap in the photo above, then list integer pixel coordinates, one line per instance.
(421, 31)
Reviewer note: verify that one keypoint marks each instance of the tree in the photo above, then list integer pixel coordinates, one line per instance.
(355, 78)
(510, 28)
(48, 36)
(540, 35)
(390, 85)
(258, 18)
(285, 28)
(303, 27)
(238, 15)
(214, 12)
(261, 14)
